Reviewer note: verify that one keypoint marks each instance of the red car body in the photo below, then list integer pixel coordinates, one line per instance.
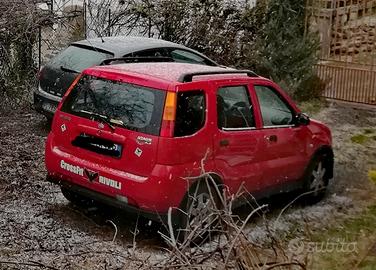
(155, 171)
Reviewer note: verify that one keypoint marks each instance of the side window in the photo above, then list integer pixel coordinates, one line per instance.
(190, 113)
(186, 57)
(274, 110)
(234, 110)
(148, 53)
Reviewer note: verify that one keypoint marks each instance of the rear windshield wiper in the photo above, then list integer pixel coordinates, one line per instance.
(68, 70)
(100, 117)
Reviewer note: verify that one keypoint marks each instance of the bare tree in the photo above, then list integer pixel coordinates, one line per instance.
(212, 27)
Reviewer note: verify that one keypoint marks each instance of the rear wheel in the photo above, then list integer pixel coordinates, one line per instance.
(198, 220)
(75, 198)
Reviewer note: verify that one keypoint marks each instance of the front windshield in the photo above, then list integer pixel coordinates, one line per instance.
(132, 106)
(78, 58)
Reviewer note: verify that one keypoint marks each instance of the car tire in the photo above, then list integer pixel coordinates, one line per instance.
(316, 179)
(74, 198)
(197, 221)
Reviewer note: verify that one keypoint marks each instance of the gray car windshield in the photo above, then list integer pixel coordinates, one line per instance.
(131, 106)
(78, 58)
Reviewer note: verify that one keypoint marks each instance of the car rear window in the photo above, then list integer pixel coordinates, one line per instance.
(130, 106)
(79, 58)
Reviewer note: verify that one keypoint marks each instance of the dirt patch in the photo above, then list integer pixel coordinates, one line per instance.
(39, 226)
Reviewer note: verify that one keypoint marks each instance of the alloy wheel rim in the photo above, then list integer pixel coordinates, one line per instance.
(199, 212)
(318, 180)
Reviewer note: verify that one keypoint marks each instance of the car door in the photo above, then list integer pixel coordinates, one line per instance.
(285, 142)
(237, 143)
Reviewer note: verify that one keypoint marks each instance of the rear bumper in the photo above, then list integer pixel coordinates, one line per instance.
(108, 200)
(152, 195)
(41, 98)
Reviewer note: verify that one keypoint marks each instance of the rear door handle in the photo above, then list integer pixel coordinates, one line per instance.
(224, 143)
(272, 138)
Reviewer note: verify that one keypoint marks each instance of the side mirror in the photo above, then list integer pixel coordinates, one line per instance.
(302, 119)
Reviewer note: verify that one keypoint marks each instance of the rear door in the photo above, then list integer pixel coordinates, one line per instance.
(238, 142)
(113, 124)
(285, 146)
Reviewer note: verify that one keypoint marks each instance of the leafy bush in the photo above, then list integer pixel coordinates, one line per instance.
(284, 51)
(211, 26)
(270, 38)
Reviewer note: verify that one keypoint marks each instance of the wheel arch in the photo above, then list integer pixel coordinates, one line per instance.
(218, 181)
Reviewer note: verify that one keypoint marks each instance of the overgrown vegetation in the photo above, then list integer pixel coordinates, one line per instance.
(283, 50)
(372, 176)
(269, 38)
(18, 33)
(230, 246)
(312, 106)
(363, 138)
(361, 232)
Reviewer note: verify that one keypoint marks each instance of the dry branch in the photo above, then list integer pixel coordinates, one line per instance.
(230, 247)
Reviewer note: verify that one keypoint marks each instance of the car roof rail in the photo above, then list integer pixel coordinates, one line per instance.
(144, 59)
(188, 77)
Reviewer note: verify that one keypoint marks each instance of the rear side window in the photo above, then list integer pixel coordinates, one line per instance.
(182, 56)
(190, 113)
(149, 53)
(131, 106)
(78, 58)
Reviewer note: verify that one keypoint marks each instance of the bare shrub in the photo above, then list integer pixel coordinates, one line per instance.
(19, 25)
(225, 243)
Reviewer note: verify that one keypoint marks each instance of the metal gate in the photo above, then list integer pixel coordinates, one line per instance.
(347, 31)
(348, 83)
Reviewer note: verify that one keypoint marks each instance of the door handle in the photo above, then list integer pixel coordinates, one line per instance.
(272, 138)
(224, 143)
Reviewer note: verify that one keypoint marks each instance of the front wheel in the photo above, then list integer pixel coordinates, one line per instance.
(317, 180)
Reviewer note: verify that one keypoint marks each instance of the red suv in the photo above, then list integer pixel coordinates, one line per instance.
(139, 136)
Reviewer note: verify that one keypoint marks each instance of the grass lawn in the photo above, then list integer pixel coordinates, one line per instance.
(357, 233)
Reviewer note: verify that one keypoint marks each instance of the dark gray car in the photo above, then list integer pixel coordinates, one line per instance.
(56, 77)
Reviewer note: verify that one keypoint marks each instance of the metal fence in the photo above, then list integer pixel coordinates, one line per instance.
(347, 31)
(72, 20)
(348, 83)
(66, 23)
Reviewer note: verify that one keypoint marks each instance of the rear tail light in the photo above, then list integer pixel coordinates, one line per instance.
(169, 115)
(68, 91)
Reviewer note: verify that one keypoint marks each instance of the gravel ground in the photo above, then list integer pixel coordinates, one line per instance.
(40, 229)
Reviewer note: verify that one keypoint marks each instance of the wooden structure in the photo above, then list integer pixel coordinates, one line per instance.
(347, 30)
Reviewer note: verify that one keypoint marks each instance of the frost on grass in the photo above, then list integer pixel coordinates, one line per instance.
(38, 224)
